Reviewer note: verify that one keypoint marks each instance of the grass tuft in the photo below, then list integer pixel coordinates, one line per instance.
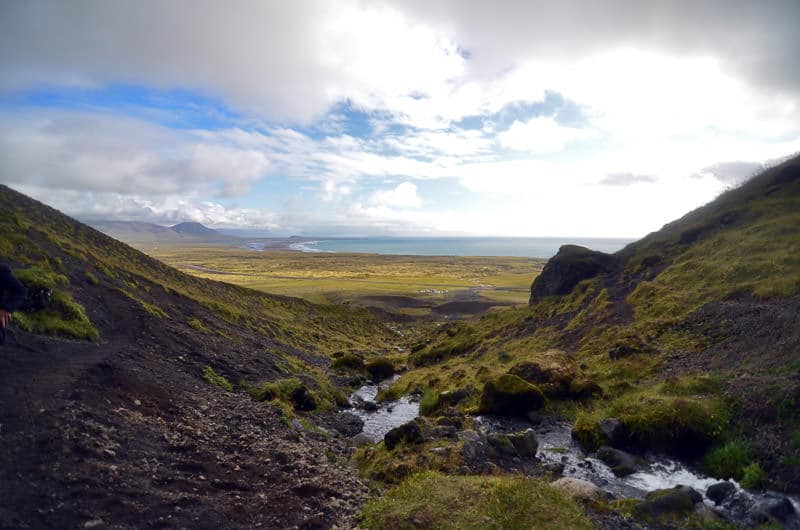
(435, 501)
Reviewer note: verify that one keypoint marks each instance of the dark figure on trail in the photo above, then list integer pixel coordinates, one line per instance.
(12, 293)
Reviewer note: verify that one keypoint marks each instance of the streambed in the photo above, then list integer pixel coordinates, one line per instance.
(556, 446)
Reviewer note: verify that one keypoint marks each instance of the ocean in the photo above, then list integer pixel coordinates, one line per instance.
(529, 247)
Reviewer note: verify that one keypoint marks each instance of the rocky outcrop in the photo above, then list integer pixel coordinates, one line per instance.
(510, 395)
(408, 432)
(620, 462)
(720, 491)
(571, 265)
(678, 501)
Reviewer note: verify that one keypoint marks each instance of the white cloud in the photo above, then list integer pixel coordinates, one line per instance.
(74, 150)
(539, 135)
(404, 195)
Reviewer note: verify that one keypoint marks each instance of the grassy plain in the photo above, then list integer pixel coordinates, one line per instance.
(327, 277)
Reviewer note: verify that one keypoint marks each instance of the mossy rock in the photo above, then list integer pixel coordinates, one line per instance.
(553, 380)
(510, 395)
(349, 362)
(380, 369)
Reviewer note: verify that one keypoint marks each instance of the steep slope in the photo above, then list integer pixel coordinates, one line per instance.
(116, 401)
(690, 337)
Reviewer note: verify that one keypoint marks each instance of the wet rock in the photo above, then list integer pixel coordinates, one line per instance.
(509, 394)
(720, 491)
(370, 406)
(502, 444)
(524, 442)
(620, 462)
(773, 510)
(613, 430)
(408, 432)
(571, 265)
(707, 515)
(534, 417)
(677, 501)
(554, 468)
(578, 488)
(442, 432)
(468, 436)
(451, 421)
(453, 397)
(348, 424)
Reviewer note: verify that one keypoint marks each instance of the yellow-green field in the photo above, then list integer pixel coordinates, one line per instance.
(337, 277)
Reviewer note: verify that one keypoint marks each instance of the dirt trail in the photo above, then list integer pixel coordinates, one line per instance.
(125, 434)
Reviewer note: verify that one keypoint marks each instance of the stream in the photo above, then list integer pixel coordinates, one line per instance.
(556, 445)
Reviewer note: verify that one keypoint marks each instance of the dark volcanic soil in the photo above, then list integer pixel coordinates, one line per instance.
(126, 434)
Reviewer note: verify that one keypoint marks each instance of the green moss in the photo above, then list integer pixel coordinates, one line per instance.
(510, 394)
(217, 380)
(149, 308)
(40, 277)
(290, 390)
(91, 279)
(197, 325)
(435, 501)
(675, 424)
(348, 362)
(63, 316)
(728, 461)
(754, 476)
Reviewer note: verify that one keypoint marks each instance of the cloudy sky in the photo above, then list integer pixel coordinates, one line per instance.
(454, 117)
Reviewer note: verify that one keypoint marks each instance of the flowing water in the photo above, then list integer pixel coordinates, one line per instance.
(389, 414)
(556, 445)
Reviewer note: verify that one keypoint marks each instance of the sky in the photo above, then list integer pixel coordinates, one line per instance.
(409, 118)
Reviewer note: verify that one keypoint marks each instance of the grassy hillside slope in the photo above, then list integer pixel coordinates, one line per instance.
(692, 341)
(144, 397)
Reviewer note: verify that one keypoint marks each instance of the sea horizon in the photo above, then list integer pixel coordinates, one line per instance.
(528, 247)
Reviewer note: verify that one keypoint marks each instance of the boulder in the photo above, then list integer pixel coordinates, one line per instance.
(553, 380)
(409, 433)
(571, 265)
(502, 444)
(380, 369)
(509, 394)
(772, 510)
(579, 489)
(369, 406)
(348, 424)
(678, 501)
(620, 462)
(453, 397)
(613, 430)
(584, 389)
(720, 491)
(524, 442)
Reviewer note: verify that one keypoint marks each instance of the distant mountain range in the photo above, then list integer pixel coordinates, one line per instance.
(139, 232)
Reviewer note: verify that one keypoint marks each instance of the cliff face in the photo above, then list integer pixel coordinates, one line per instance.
(571, 265)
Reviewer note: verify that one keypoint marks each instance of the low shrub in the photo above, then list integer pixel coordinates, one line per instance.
(727, 461)
(216, 379)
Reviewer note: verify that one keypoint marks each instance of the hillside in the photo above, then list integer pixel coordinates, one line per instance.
(144, 397)
(689, 338)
